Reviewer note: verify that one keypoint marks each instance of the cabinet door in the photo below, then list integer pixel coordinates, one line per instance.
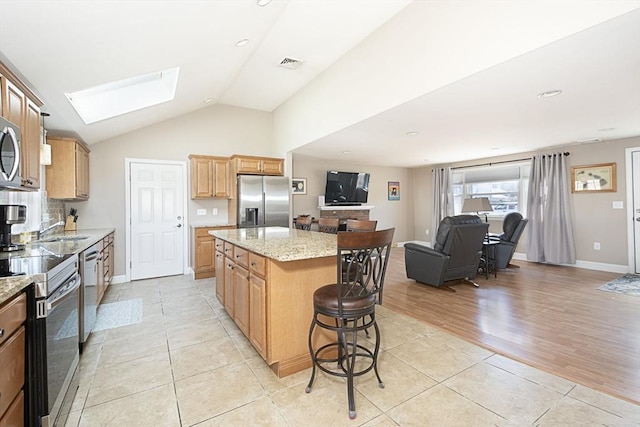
(257, 315)
(201, 177)
(204, 254)
(82, 172)
(249, 165)
(111, 259)
(228, 286)
(221, 178)
(273, 167)
(30, 146)
(241, 299)
(220, 270)
(13, 102)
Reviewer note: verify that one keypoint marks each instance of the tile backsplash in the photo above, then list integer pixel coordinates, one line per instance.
(39, 208)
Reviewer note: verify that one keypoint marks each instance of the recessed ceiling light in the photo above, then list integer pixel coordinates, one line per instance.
(412, 133)
(346, 152)
(549, 93)
(242, 43)
(495, 148)
(606, 129)
(208, 100)
(263, 3)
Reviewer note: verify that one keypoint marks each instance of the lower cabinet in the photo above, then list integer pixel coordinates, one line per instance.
(105, 265)
(13, 314)
(241, 289)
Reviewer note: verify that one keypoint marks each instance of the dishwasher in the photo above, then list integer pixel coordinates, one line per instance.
(88, 292)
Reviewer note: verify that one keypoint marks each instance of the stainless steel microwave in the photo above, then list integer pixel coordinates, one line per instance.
(10, 177)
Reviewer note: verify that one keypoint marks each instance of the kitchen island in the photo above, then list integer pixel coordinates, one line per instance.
(265, 279)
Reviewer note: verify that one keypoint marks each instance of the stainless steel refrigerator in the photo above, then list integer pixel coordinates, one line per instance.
(263, 201)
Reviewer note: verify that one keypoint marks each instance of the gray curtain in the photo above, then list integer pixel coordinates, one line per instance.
(442, 198)
(550, 230)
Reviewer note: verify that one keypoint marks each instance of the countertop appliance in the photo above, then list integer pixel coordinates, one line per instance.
(88, 306)
(9, 215)
(263, 201)
(9, 155)
(55, 330)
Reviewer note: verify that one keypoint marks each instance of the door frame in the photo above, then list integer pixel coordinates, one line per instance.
(127, 224)
(630, 213)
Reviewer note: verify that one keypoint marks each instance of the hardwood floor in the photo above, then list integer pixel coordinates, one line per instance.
(549, 317)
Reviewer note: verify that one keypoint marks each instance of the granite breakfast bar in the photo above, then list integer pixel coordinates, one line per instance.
(265, 279)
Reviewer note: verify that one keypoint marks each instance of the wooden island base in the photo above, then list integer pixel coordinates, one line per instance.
(271, 300)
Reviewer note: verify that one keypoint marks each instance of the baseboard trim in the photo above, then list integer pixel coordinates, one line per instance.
(118, 279)
(589, 265)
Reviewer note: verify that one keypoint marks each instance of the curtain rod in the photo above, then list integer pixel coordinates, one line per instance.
(566, 153)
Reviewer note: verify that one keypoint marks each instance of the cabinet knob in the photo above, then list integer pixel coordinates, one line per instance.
(1, 332)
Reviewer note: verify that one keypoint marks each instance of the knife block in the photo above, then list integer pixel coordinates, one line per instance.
(70, 225)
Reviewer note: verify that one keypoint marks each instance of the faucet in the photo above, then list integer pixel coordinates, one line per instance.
(44, 230)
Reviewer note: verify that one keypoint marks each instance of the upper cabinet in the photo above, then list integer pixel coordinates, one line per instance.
(258, 165)
(68, 174)
(21, 107)
(209, 177)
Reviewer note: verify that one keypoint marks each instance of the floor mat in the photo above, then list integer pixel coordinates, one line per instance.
(629, 284)
(117, 314)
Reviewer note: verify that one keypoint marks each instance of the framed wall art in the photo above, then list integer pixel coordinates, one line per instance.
(298, 185)
(593, 178)
(393, 190)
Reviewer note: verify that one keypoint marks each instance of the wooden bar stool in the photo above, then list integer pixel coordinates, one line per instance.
(328, 225)
(361, 225)
(303, 222)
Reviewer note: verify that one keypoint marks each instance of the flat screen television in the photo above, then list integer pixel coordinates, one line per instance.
(346, 188)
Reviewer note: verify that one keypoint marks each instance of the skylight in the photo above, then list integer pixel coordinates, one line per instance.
(124, 96)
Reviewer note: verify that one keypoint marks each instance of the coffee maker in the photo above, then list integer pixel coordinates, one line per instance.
(9, 215)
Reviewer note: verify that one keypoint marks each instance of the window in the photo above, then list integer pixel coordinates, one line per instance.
(505, 186)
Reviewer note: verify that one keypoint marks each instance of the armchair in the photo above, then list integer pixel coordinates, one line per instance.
(513, 226)
(455, 254)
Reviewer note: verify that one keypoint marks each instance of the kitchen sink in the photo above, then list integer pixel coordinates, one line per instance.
(62, 239)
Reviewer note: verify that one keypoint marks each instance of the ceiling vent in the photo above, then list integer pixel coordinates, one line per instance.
(290, 63)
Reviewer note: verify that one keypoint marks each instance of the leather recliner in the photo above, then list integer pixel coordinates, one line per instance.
(455, 254)
(512, 226)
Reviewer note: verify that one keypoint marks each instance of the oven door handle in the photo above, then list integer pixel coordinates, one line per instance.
(65, 291)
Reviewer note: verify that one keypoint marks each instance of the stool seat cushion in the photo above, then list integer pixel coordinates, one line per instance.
(326, 298)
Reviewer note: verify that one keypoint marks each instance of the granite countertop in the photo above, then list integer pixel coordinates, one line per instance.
(209, 225)
(281, 243)
(10, 286)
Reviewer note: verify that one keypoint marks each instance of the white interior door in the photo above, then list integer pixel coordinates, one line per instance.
(635, 183)
(157, 220)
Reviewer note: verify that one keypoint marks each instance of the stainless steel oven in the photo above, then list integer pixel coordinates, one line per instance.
(9, 155)
(56, 332)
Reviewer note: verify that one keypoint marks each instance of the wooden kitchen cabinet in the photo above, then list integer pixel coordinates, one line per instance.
(258, 304)
(13, 315)
(19, 105)
(68, 175)
(105, 265)
(258, 165)
(209, 177)
(241, 298)
(220, 277)
(229, 266)
(204, 260)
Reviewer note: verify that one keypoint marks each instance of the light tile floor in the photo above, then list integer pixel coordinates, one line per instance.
(187, 364)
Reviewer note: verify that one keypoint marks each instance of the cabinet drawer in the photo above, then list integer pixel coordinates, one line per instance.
(12, 316)
(228, 250)
(258, 264)
(219, 245)
(241, 256)
(12, 373)
(15, 413)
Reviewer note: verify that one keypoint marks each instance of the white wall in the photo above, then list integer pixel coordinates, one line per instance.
(218, 130)
(426, 46)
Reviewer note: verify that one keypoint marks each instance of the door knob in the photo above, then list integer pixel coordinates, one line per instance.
(179, 225)
(638, 219)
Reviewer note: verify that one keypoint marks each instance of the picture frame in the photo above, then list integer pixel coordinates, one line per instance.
(598, 178)
(393, 190)
(298, 185)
